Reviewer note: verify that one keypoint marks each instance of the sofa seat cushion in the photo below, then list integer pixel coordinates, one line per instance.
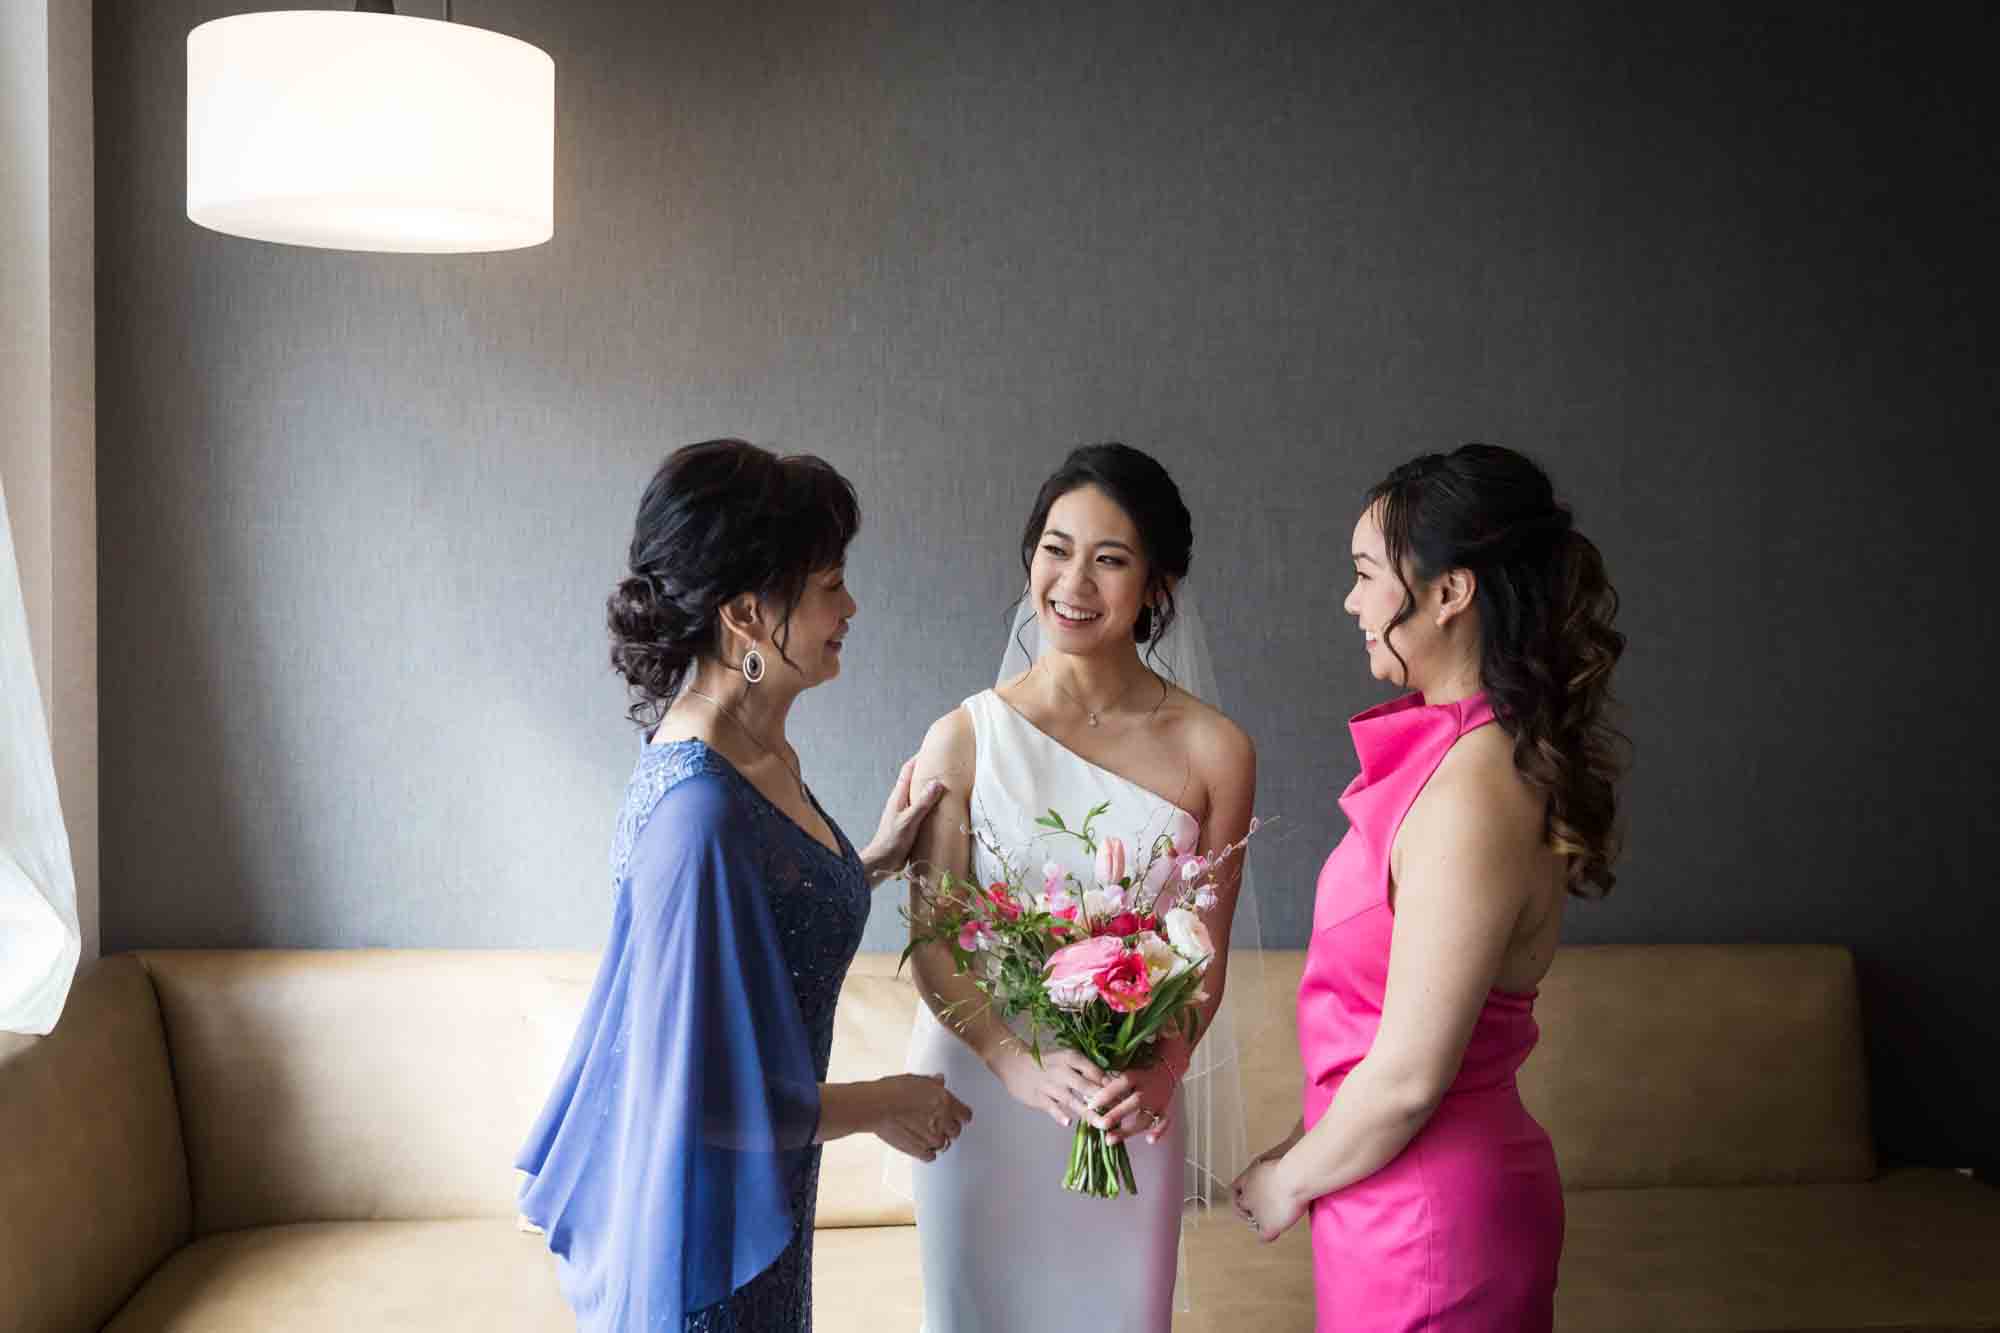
(870, 1279)
(1910, 1250)
(479, 1276)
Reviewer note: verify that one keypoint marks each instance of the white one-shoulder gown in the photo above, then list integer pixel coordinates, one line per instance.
(1005, 1248)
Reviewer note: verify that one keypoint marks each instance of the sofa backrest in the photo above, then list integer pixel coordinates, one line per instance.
(1659, 1064)
(365, 1084)
(1702, 1065)
(399, 1084)
(93, 1181)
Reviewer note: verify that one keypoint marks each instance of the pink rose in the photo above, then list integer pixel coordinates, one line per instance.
(1071, 972)
(1110, 861)
(1124, 983)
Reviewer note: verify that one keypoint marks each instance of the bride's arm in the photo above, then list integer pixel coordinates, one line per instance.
(1227, 758)
(943, 847)
(1062, 1079)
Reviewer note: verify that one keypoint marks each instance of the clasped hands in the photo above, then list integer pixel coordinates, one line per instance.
(1066, 1084)
(1263, 1199)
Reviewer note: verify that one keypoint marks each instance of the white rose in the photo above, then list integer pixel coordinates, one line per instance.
(1161, 960)
(1189, 936)
(1098, 904)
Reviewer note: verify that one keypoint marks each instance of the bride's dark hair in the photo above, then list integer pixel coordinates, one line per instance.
(1547, 645)
(1137, 483)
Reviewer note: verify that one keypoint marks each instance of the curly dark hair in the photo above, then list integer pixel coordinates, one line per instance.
(719, 519)
(1547, 645)
(1141, 487)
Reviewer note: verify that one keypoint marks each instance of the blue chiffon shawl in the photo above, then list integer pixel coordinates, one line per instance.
(662, 1166)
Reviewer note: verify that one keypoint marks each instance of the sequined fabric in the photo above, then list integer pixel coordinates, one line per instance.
(819, 901)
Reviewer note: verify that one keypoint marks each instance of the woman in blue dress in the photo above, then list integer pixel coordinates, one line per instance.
(675, 1166)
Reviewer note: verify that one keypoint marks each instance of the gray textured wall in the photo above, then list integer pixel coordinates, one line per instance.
(360, 512)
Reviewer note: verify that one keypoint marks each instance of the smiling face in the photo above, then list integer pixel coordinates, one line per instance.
(1377, 598)
(818, 627)
(1088, 577)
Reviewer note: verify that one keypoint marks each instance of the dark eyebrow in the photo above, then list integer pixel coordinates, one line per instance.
(1060, 535)
(1359, 556)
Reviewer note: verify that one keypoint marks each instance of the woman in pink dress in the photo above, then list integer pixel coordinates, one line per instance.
(1487, 795)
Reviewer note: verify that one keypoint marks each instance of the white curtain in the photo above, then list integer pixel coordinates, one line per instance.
(39, 938)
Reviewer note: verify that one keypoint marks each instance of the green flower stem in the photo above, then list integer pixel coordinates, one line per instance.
(1098, 1167)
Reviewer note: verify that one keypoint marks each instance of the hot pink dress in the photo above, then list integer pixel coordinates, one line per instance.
(1462, 1230)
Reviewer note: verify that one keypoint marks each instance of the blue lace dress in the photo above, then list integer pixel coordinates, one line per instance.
(673, 1167)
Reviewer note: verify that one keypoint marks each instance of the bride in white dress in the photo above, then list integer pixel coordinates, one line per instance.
(1088, 721)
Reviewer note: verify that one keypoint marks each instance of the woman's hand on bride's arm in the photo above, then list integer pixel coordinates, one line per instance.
(888, 852)
(1138, 1102)
(1062, 1084)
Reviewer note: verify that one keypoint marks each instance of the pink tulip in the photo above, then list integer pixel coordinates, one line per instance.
(1110, 861)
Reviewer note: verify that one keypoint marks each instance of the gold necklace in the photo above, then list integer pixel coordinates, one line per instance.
(1091, 713)
(798, 774)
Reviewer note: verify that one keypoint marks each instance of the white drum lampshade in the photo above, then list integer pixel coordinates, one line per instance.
(370, 131)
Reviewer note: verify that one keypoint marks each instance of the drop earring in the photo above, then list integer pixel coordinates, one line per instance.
(753, 666)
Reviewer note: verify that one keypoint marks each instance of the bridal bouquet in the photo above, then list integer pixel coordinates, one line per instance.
(1105, 969)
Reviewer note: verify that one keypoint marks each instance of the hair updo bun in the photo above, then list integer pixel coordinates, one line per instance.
(719, 519)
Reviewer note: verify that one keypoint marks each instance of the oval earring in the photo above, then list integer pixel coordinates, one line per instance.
(753, 666)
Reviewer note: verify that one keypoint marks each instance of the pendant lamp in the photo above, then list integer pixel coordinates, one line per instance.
(370, 130)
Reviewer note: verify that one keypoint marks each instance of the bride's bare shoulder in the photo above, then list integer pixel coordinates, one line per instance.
(1212, 738)
(948, 748)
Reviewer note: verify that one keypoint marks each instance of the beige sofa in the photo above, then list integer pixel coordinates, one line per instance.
(317, 1141)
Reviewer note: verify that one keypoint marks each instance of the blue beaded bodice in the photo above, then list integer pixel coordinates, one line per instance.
(819, 903)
